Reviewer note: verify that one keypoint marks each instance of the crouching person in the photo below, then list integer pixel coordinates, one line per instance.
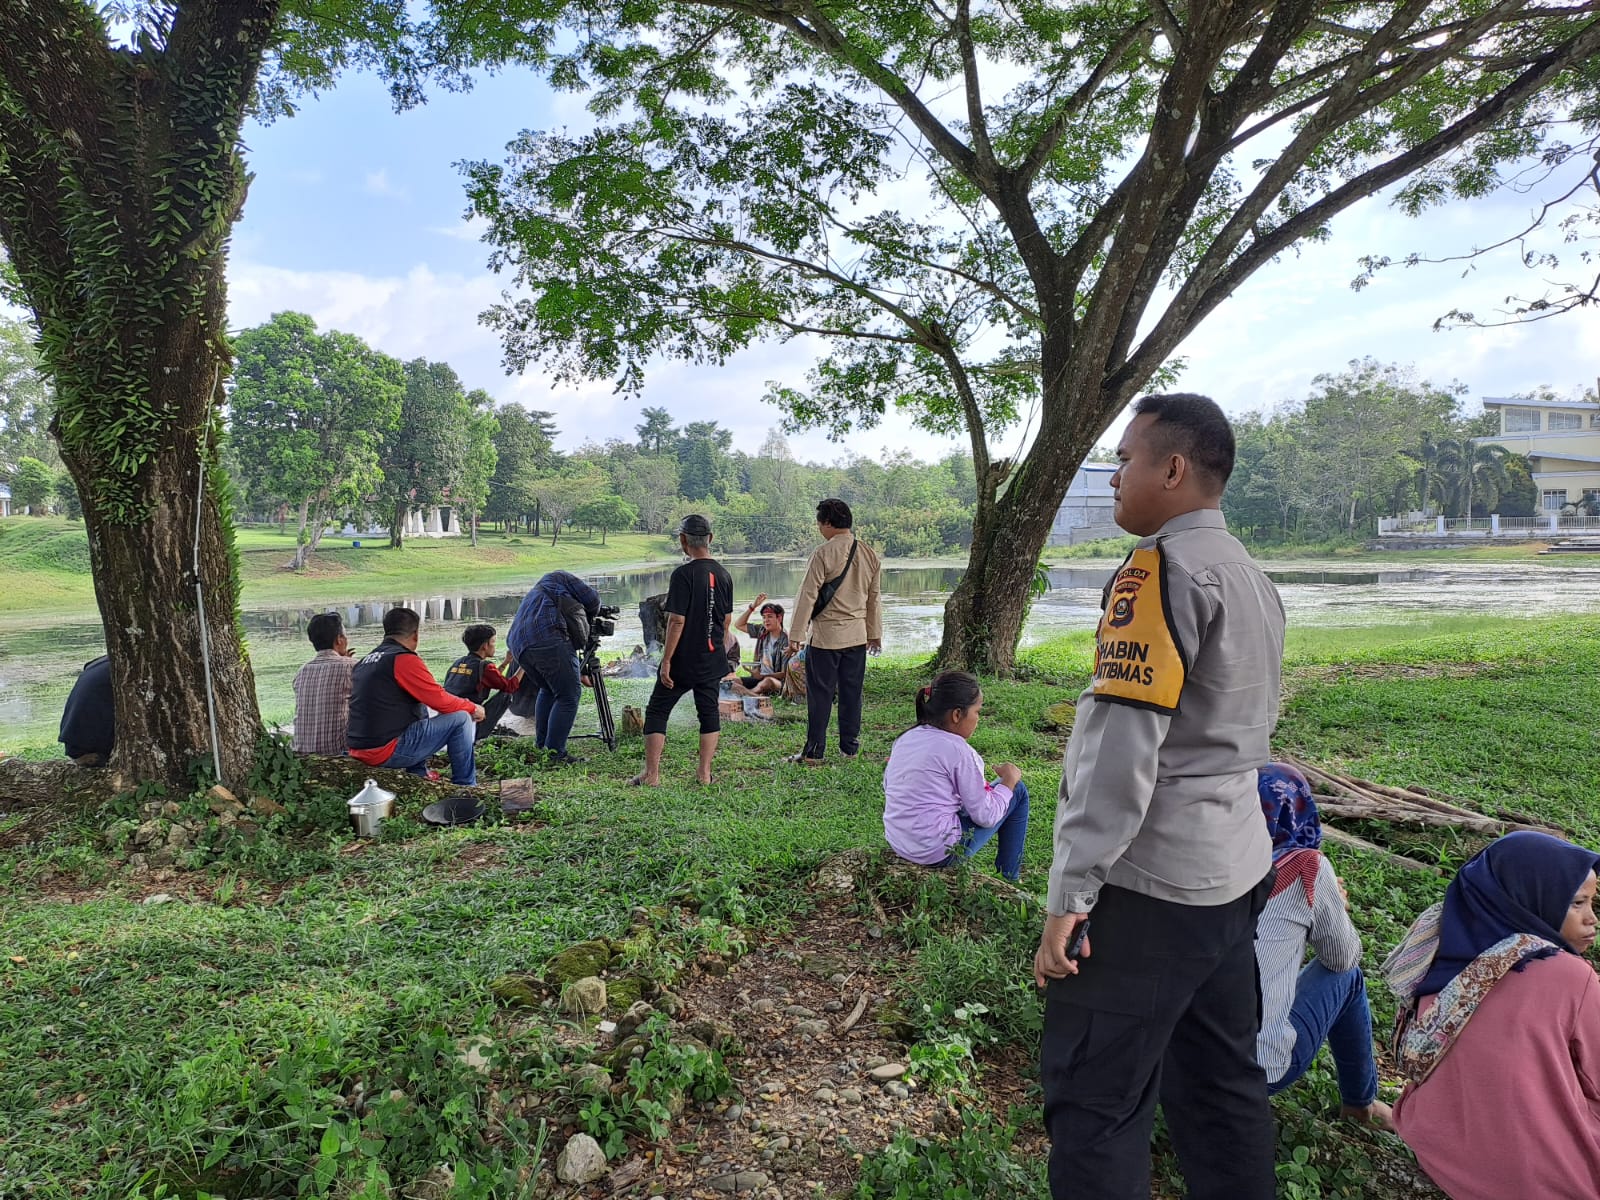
(389, 726)
(939, 805)
(1326, 1000)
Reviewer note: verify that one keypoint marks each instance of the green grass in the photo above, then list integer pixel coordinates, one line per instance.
(216, 1042)
(45, 561)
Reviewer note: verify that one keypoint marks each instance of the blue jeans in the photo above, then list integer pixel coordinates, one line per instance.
(553, 667)
(1332, 1007)
(425, 738)
(1012, 831)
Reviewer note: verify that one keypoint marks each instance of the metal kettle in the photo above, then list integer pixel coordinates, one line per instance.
(369, 807)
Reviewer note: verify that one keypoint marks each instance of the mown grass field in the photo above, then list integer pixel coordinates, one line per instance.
(214, 1043)
(45, 561)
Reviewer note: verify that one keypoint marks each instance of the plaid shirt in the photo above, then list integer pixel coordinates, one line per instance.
(322, 704)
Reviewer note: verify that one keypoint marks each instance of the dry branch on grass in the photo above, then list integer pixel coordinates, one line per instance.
(1361, 799)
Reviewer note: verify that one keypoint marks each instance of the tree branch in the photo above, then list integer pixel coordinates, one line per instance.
(977, 120)
(1205, 290)
(810, 25)
(1047, 141)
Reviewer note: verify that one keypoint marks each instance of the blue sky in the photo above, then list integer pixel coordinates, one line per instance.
(356, 216)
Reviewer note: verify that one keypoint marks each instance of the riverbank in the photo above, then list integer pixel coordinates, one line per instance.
(304, 1007)
(45, 561)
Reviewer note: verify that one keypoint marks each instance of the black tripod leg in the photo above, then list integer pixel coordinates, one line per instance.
(602, 705)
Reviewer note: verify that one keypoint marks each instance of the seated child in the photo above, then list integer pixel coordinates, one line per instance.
(474, 676)
(1326, 1000)
(938, 805)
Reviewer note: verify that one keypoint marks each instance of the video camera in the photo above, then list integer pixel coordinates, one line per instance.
(604, 623)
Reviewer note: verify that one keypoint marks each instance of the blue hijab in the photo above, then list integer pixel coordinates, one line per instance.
(1522, 883)
(1290, 810)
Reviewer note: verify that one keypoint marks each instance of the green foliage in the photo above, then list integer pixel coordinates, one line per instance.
(32, 486)
(606, 512)
(309, 416)
(1369, 441)
(26, 401)
(978, 1162)
(426, 455)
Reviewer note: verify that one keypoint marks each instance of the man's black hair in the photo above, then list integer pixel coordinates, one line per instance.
(835, 513)
(324, 630)
(1195, 427)
(476, 635)
(400, 622)
(775, 609)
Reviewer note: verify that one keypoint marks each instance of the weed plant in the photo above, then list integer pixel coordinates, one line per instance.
(292, 1022)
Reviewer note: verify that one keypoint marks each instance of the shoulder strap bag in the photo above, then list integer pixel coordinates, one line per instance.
(828, 590)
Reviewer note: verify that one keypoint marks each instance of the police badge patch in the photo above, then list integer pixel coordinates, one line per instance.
(1136, 655)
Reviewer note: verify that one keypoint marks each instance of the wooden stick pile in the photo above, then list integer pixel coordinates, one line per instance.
(1361, 799)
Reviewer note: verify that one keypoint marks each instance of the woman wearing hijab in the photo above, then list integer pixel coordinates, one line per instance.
(1499, 1030)
(1326, 1000)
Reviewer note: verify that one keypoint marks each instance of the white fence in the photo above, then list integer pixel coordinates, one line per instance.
(1548, 526)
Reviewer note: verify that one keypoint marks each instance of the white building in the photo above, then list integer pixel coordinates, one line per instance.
(1085, 512)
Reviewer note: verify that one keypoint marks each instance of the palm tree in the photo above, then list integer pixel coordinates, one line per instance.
(1473, 472)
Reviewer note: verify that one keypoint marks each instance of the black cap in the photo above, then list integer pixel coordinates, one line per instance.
(694, 525)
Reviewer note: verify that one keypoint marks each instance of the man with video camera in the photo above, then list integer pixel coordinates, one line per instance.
(546, 637)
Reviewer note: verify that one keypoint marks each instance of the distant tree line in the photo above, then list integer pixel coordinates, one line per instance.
(325, 427)
(1370, 441)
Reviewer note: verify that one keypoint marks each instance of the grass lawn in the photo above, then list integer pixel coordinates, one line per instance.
(297, 1018)
(45, 561)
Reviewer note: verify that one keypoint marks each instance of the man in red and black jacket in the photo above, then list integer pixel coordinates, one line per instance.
(388, 725)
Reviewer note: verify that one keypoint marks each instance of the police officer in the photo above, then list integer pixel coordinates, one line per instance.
(1159, 842)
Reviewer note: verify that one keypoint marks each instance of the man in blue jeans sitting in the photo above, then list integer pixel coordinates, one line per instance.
(389, 727)
(540, 642)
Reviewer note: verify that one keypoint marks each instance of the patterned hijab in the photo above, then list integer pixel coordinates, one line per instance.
(1295, 827)
(1290, 811)
(1522, 883)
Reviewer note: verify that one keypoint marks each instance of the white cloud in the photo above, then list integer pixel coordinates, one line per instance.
(377, 183)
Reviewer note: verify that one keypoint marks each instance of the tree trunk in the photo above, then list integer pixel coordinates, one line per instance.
(145, 584)
(983, 617)
(119, 184)
(472, 524)
(397, 525)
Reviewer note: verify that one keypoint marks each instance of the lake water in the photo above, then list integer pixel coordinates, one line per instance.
(37, 664)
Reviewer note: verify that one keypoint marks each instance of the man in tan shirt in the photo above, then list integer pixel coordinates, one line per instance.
(838, 619)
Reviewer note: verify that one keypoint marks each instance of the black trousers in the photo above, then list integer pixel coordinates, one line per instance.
(493, 709)
(707, 691)
(828, 672)
(1167, 1007)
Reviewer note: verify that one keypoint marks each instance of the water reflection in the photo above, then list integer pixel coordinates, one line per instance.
(38, 663)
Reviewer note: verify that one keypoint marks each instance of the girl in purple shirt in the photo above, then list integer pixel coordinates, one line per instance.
(938, 804)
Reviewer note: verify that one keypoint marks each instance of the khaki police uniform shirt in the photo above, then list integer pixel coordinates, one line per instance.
(1158, 790)
(855, 614)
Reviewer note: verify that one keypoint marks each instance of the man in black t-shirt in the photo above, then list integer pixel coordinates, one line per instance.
(699, 607)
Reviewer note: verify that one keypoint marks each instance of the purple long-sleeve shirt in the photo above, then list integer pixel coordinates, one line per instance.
(932, 777)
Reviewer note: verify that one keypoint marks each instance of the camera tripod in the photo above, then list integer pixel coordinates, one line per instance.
(590, 663)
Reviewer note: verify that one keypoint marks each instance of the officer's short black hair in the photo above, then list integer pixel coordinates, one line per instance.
(1195, 427)
(476, 635)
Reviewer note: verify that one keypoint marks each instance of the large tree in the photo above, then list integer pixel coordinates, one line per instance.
(25, 401)
(522, 454)
(981, 210)
(308, 414)
(120, 179)
(472, 489)
(425, 458)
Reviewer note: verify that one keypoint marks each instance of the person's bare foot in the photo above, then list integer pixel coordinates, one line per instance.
(643, 780)
(1377, 1113)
